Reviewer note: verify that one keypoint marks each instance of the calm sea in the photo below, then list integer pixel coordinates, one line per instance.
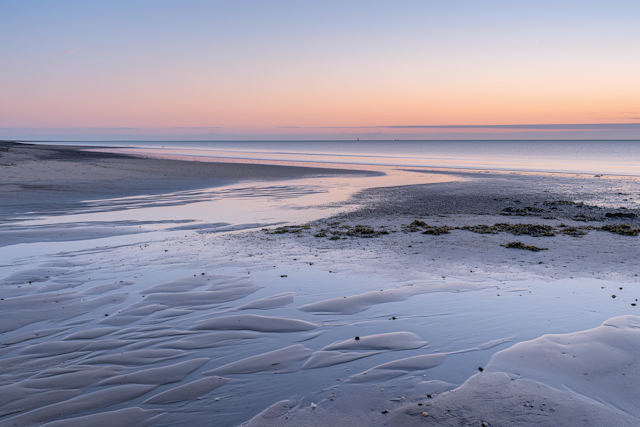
(617, 157)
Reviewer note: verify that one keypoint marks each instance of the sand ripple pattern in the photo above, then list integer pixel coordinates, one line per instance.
(76, 351)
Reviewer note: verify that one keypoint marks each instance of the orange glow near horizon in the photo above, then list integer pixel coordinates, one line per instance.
(135, 107)
(442, 100)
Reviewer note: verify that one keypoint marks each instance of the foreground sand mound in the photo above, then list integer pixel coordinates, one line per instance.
(587, 378)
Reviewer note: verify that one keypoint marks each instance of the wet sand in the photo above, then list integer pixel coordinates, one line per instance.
(330, 323)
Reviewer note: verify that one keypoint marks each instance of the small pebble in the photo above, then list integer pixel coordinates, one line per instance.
(485, 425)
(480, 369)
(424, 414)
(613, 296)
(357, 338)
(384, 411)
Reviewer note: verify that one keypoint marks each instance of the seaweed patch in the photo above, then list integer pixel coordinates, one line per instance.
(288, 229)
(622, 229)
(520, 245)
(516, 229)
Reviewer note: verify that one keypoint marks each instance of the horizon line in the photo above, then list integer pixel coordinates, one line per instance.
(538, 126)
(22, 141)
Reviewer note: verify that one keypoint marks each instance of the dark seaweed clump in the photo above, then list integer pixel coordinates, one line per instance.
(573, 231)
(416, 225)
(427, 229)
(623, 229)
(535, 230)
(620, 215)
(335, 230)
(436, 231)
(482, 229)
(561, 202)
(584, 218)
(288, 229)
(364, 231)
(526, 210)
(531, 229)
(520, 245)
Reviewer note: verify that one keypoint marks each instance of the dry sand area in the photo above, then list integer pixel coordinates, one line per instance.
(407, 308)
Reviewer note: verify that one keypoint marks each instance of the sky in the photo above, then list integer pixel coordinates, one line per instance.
(188, 69)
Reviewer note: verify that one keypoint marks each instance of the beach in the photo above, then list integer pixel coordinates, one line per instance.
(50, 178)
(142, 290)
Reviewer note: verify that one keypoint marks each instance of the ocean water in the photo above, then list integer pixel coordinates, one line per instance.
(612, 157)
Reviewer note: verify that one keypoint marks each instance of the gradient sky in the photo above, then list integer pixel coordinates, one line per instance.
(314, 69)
